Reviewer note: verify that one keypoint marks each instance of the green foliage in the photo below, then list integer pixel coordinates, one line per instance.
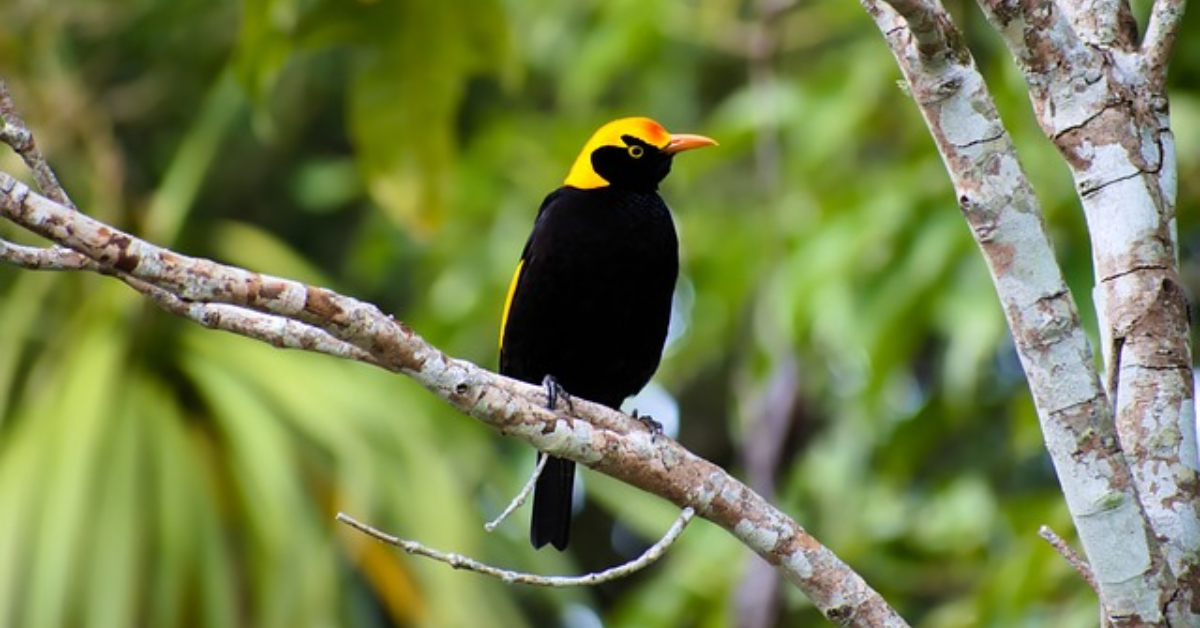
(409, 64)
(155, 473)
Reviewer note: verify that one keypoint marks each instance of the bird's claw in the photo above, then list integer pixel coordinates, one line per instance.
(653, 426)
(554, 391)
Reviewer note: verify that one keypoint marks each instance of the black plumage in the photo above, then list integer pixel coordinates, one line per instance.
(591, 301)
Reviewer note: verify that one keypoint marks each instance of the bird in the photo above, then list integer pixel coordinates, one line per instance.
(589, 304)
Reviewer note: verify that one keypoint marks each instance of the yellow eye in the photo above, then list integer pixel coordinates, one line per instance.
(636, 151)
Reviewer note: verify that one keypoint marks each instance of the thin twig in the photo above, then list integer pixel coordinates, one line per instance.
(41, 258)
(459, 561)
(520, 497)
(1073, 558)
(1161, 32)
(274, 330)
(277, 331)
(18, 136)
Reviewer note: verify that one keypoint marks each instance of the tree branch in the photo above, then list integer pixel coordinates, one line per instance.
(1105, 24)
(1005, 218)
(1058, 65)
(520, 497)
(929, 26)
(37, 258)
(1159, 43)
(1106, 113)
(458, 561)
(1068, 553)
(279, 311)
(14, 133)
(274, 330)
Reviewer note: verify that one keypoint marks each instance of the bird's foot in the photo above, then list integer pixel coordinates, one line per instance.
(555, 391)
(653, 426)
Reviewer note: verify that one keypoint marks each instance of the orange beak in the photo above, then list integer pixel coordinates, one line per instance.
(684, 141)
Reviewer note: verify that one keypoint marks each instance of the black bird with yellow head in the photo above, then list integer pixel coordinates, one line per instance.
(590, 301)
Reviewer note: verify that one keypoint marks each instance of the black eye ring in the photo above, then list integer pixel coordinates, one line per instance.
(636, 151)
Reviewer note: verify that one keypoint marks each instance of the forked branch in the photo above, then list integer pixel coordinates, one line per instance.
(1005, 218)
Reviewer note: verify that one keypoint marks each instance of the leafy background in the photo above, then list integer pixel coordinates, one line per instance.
(838, 341)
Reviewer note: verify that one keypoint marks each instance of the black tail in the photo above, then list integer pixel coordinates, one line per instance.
(552, 504)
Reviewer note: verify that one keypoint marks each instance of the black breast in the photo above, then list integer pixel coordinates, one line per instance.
(593, 301)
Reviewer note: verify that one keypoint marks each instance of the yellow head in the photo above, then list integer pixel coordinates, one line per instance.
(633, 152)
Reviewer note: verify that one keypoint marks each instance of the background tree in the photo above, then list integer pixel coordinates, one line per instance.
(160, 473)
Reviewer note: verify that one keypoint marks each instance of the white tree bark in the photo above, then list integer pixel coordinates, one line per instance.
(1130, 484)
(1102, 101)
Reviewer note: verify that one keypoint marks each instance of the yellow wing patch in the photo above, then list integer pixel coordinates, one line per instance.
(512, 289)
